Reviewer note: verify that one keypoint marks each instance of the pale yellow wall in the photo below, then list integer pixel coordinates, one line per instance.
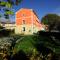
(19, 29)
(28, 29)
(35, 28)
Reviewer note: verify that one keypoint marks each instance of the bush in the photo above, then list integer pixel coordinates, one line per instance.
(6, 32)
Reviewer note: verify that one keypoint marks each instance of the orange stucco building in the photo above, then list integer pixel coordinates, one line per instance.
(27, 22)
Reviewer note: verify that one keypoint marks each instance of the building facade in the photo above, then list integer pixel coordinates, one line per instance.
(27, 22)
(10, 26)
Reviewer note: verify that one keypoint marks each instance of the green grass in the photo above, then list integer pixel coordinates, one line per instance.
(26, 44)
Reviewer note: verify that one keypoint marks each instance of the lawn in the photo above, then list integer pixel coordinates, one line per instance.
(26, 44)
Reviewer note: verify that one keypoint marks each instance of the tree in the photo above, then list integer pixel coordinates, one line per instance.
(48, 45)
(7, 5)
(52, 20)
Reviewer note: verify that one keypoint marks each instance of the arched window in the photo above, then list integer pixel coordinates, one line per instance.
(23, 21)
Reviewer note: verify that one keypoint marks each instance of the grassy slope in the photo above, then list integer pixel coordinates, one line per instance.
(26, 44)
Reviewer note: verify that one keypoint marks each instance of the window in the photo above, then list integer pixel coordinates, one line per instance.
(23, 28)
(24, 15)
(29, 30)
(23, 21)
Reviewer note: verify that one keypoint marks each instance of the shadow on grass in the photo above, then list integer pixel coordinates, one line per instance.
(20, 56)
(45, 44)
